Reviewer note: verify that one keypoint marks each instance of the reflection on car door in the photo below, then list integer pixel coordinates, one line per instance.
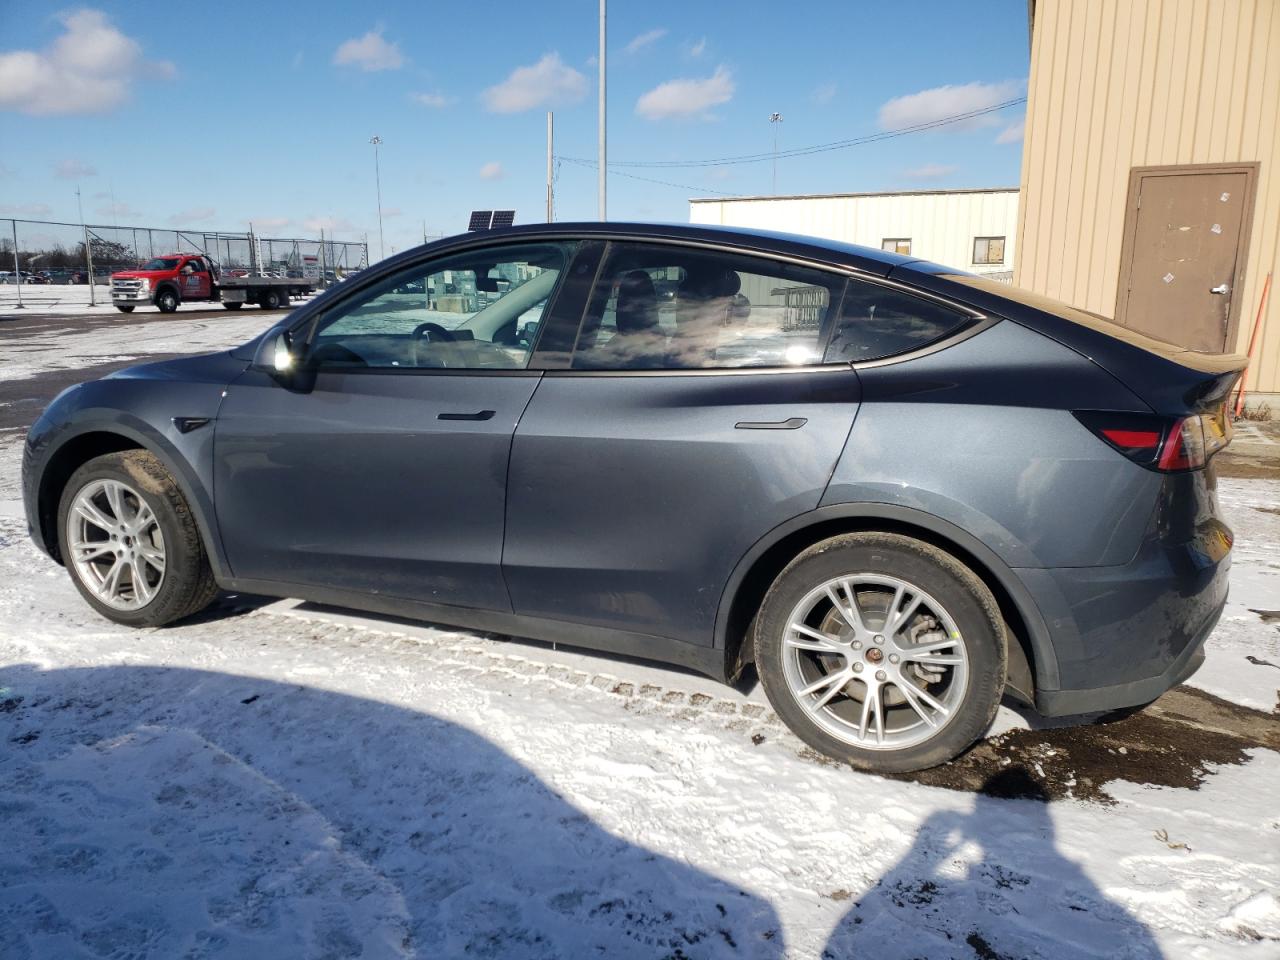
(634, 492)
(385, 480)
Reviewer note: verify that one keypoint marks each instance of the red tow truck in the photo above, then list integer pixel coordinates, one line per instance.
(175, 278)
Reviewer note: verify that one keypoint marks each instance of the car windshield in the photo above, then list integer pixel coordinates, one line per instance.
(161, 263)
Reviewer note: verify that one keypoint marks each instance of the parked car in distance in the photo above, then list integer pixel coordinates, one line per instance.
(900, 491)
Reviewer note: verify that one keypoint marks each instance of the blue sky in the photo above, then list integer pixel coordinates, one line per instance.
(264, 111)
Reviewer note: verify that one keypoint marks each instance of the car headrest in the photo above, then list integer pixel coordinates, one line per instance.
(706, 282)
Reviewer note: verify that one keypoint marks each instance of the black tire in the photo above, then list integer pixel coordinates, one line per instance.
(128, 309)
(167, 300)
(232, 306)
(963, 595)
(270, 299)
(188, 585)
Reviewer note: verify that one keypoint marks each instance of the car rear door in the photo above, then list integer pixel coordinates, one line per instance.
(382, 467)
(693, 417)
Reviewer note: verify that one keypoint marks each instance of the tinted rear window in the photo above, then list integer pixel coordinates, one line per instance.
(877, 322)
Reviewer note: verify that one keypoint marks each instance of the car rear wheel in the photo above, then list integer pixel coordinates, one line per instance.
(232, 306)
(130, 541)
(167, 301)
(882, 651)
(128, 309)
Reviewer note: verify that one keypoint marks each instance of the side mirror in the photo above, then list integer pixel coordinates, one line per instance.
(278, 357)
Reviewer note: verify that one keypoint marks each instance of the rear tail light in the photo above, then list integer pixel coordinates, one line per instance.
(1166, 444)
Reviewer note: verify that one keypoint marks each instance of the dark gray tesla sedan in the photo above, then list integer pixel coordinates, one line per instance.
(900, 491)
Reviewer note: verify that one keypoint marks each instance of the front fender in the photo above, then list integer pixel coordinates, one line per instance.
(141, 409)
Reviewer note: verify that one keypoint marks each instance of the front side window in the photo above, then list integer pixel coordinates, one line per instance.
(900, 245)
(880, 321)
(474, 310)
(658, 307)
(988, 249)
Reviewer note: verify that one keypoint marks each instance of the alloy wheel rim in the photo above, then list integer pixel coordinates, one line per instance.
(875, 661)
(115, 543)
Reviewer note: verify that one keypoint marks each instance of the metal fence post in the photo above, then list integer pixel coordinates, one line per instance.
(17, 271)
(88, 259)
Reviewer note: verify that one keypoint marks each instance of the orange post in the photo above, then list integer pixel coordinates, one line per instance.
(1253, 339)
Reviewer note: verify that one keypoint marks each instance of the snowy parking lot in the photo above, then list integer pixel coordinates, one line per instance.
(276, 779)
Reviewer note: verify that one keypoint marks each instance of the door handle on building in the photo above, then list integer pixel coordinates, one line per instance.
(1220, 288)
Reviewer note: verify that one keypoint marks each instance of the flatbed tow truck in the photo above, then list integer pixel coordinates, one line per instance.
(175, 278)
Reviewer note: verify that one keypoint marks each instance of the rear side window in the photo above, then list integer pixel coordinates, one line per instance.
(657, 307)
(877, 322)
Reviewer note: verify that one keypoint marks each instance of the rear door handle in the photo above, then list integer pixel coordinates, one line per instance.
(478, 415)
(795, 423)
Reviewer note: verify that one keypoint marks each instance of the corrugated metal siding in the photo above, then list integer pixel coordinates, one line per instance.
(1117, 84)
(941, 226)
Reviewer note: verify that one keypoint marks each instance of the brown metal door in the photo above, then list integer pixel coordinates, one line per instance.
(1186, 233)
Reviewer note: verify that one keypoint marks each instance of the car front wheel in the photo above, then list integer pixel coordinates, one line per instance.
(882, 651)
(130, 542)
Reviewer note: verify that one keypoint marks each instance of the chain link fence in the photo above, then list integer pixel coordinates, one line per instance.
(72, 252)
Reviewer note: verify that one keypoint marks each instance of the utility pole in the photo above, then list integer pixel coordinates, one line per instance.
(604, 152)
(551, 134)
(774, 120)
(377, 175)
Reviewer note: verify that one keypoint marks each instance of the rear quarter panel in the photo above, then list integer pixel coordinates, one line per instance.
(980, 434)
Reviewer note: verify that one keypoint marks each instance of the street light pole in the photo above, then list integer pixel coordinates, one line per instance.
(377, 176)
(551, 133)
(775, 119)
(604, 152)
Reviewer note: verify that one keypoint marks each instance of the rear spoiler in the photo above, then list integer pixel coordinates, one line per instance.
(1171, 379)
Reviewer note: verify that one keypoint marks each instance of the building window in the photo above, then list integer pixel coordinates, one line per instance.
(897, 245)
(988, 249)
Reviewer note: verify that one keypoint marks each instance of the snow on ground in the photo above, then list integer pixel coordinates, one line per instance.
(27, 354)
(279, 780)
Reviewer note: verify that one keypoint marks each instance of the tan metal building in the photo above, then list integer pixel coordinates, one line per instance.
(969, 229)
(1150, 180)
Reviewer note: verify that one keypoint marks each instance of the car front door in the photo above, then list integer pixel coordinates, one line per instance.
(195, 285)
(380, 466)
(694, 417)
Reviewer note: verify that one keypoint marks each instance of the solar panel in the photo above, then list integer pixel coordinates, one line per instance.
(480, 219)
(503, 218)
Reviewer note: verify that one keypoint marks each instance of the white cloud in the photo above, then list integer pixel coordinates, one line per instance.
(492, 171)
(824, 92)
(930, 171)
(269, 223)
(686, 97)
(330, 225)
(89, 68)
(73, 170)
(389, 212)
(117, 210)
(6, 172)
(698, 48)
(644, 39)
(548, 81)
(939, 103)
(25, 209)
(370, 53)
(193, 216)
(1013, 132)
(434, 100)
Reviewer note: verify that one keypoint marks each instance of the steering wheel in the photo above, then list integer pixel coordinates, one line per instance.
(420, 333)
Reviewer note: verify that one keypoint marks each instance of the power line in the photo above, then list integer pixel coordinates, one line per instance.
(816, 148)
(592, 164)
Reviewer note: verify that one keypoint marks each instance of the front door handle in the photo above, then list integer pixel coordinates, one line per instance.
(478, 415)
(795, 423)
(1220, 288)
